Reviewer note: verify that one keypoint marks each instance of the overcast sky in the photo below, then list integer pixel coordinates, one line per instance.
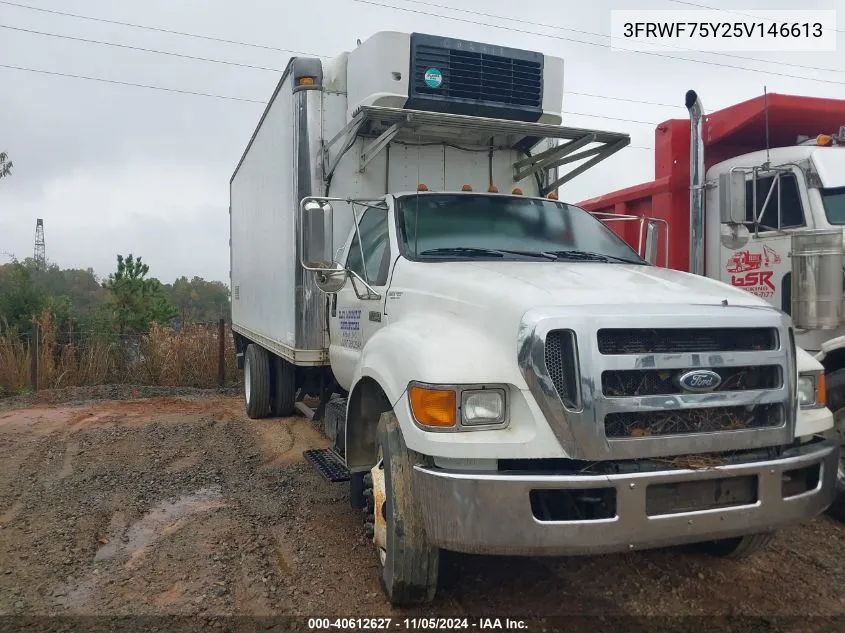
(123, 169)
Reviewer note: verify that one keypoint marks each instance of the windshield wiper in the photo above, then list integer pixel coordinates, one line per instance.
(587, 256)
(471, 251)
(465, 251)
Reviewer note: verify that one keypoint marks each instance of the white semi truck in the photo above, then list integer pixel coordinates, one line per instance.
(496, 370)
(754, 195)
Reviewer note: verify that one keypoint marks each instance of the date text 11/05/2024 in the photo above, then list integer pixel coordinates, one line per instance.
(372, 624)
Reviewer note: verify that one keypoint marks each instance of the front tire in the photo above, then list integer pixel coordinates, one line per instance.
(835, 382)
(256, 381)
(409, 563)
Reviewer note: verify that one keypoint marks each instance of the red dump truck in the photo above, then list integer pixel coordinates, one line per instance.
(754, 195)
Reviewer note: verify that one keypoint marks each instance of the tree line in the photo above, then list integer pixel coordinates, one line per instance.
(128, 301)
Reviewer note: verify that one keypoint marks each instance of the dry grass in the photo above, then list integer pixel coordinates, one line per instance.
(14, 365)
(188, 358)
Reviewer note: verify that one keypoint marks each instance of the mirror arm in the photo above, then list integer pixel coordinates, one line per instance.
(371, 292)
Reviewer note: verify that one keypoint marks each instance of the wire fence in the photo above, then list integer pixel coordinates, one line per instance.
(198, 355)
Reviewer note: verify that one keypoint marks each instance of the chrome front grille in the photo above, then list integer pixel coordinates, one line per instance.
(616, 393)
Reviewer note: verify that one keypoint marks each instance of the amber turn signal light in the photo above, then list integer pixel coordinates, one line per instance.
(434, 407)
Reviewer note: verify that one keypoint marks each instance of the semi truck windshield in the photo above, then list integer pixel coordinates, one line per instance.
(465, 226)
(834, 205)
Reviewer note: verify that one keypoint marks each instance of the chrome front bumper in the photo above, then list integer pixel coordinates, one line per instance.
(491, 513)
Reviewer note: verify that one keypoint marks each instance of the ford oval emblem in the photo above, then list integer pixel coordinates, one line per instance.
(700, 380)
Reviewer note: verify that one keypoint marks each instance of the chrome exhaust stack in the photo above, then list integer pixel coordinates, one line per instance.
(696, 153)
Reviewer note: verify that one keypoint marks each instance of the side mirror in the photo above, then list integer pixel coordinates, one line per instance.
(331, 281)
(732, 197)
(651, 236)
(316, 248)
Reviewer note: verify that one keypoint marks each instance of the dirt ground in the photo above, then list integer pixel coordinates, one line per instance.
(158, 502)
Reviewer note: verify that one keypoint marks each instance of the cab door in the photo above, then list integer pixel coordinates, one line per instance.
(762, 265)
(353, 316)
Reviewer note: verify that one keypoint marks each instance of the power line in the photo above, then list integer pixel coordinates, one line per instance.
(137, 48)
(270, 69)
(216, 96)
(747, 15)
(603, 46)
(154, 28)
(609, 118)
(231, 63)
(273, 48)
(611, 98)
(582, 32)
(128, 83)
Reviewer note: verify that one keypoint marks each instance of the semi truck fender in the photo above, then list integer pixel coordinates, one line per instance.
(427, 348)
(811, 421)
(832, 354)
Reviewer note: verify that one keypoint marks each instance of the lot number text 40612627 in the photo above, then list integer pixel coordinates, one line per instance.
(372, 624)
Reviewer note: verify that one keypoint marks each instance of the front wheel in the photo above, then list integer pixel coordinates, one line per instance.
(835, 382)
(409, 564)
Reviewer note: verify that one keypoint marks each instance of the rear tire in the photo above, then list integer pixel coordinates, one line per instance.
(283, 380)
(410, 564)
(256, 381)
(738, 547)
(835, 382)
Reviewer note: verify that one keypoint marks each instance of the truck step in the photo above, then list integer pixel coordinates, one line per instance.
(327, 464)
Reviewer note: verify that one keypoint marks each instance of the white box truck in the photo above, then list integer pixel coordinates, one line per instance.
(497, 371)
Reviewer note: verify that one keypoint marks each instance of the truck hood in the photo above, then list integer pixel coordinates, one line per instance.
(458, 320)
(527, 284)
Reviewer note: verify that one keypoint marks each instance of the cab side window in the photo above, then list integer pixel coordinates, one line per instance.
(375, 244)
(791, 211)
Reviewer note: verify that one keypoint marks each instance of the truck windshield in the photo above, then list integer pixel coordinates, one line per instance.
(466, 226)
(834, 205)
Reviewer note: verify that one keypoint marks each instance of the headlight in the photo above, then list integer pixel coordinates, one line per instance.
(458, 407)
(483, 407)
(811, 391)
